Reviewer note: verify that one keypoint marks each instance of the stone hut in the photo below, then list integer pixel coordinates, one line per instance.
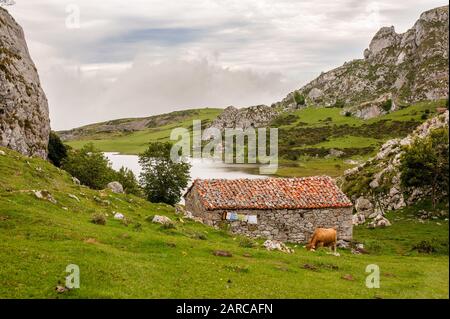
(285, 209)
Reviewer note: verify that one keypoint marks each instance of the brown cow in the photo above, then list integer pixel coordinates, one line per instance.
(323, 237)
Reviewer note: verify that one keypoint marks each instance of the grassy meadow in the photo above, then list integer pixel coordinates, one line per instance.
(139, 259)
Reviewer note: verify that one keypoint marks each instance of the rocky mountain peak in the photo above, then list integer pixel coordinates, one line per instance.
(397, 69)
(24, 119)
(250, 117)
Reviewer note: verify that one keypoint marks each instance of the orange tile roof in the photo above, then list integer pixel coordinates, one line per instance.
(270, 193)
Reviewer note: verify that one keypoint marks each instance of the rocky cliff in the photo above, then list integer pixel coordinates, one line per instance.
(253, 116)
(397, 69)
(381, 175)
(24, 119)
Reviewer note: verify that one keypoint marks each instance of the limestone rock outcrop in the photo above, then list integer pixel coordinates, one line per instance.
(24, 118)
(397, 69)
(382, 172)
(250, 117)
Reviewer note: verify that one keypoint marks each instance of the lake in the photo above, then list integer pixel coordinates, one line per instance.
(201, 168)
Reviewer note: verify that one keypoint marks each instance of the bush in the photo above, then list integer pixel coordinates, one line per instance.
(339, 103)
(168, 226)
(57, 151)
(425, 247)
(90, 166)
(424, 164)
(98, 219)
(387, 105)
(247, 242)
(137, 227)
(128, 180)
(299, 99)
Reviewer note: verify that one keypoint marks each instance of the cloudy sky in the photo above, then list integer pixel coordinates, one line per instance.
(106, 59)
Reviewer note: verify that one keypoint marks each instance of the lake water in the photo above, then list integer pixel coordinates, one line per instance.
(201, 168)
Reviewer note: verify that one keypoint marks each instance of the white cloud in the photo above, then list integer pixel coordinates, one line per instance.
(142, 57)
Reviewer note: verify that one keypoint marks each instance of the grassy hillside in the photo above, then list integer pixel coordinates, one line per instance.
(157, 129)
(306, 136)
(139, 259)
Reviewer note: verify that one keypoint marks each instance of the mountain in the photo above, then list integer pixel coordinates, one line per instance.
(24, 118)
(397, 70)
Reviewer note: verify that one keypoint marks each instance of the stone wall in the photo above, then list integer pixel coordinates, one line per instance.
(294, 226)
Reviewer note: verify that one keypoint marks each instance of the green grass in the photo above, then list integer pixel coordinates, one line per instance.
(39, 239)
(348, 141)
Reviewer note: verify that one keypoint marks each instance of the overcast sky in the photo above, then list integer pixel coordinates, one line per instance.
(143, 57)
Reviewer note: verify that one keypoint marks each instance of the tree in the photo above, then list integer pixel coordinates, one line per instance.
(128, 180)
(57, 151)
(425, 163)
(90, 166)
(162, 177)
(299, 99)
(387, 105)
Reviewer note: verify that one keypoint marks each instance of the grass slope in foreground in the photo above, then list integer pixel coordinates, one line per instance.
(38, 239)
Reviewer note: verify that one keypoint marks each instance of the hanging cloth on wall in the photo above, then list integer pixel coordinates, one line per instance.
(252, 219)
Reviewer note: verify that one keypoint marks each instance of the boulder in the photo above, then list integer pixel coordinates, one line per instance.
(45, 195)
(277, 245)
(163, 220)
(342, 243)
(364, 206)
(115, 187)
(76, 181)
(2, 153)
(358, 219)
(118, 216)
(74, 197)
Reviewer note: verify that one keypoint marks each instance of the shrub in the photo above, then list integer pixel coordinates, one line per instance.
(247, 242)
(90, 166)
(425, 164)
(425, 247)
(299, 99)
(237, 268)
(57, 151)
(387, 105)
(339, 103)
(98, 219)
(128, 180)
(348, 114)
(137, 227)
(168, 226)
